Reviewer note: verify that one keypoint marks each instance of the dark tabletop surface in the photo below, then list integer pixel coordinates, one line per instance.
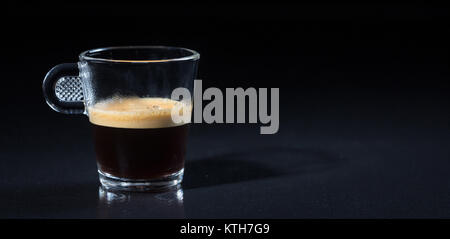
(330, 159)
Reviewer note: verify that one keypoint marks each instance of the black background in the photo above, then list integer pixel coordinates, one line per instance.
(364, 98)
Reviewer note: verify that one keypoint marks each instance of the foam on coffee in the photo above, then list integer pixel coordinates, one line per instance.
(135, 112)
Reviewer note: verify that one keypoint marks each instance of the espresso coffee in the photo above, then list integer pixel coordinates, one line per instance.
(135, 138)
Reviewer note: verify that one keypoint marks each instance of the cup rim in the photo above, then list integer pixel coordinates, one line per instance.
(84, 57)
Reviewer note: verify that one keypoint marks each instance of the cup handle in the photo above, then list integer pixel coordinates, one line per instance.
(63, 89)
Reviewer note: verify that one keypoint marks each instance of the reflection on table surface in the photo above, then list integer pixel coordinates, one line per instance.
(118, 204)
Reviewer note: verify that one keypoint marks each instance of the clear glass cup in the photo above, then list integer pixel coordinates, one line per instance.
(125, 92)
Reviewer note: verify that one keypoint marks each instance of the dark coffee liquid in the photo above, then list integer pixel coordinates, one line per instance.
(136, 138)
(140, 153)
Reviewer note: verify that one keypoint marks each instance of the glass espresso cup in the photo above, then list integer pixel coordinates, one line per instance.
(126, 93)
